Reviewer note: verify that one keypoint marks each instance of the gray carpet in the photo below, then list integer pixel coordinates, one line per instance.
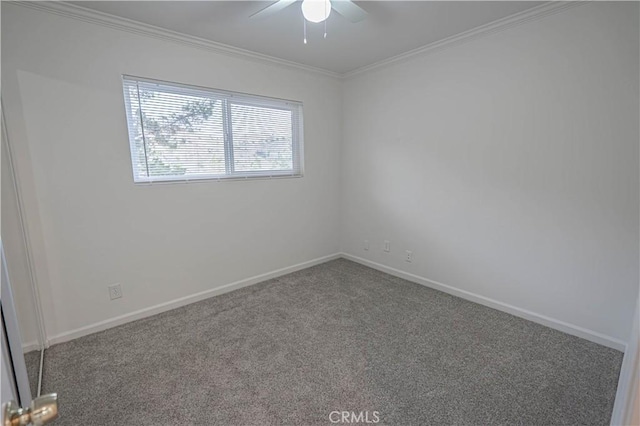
(338, 336)
(32, 360)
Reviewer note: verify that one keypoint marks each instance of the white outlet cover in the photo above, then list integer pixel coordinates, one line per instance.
(409, 256)
(115, 291)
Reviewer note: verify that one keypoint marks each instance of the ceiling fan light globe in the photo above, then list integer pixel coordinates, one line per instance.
(316, 10)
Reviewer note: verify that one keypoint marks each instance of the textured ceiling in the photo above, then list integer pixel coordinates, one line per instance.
(391, 28)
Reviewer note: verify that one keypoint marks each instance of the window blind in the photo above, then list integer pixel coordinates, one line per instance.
(180, 132)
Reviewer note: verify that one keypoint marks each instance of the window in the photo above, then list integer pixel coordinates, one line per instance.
(180, 132)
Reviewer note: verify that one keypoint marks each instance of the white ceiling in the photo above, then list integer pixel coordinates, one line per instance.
(391, 28)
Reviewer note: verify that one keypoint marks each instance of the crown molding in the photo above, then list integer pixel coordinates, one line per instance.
(80, 13)
(135, 27)
(538, 12)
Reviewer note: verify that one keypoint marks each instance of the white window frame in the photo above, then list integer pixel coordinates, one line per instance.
(228, 98)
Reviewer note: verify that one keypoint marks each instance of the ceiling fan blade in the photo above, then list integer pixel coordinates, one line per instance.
(349, 10)
(272, 8)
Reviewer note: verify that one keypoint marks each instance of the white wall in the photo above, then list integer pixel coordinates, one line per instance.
(16, 257)
(93, 227)
(508, 165)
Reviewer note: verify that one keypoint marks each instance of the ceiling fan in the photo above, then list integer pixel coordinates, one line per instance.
(317, 10)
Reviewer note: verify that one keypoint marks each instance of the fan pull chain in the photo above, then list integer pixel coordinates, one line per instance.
(305, 30)
(325, 21)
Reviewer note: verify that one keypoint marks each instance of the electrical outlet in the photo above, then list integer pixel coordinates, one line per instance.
(366, 245)
(115, 291)
(408, 256)
(387, 246)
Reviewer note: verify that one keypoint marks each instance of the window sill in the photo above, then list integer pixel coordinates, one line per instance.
(168, 181)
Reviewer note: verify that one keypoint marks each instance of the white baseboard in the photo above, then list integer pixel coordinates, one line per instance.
(30, 346)
(565, 327)
(173, 304)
